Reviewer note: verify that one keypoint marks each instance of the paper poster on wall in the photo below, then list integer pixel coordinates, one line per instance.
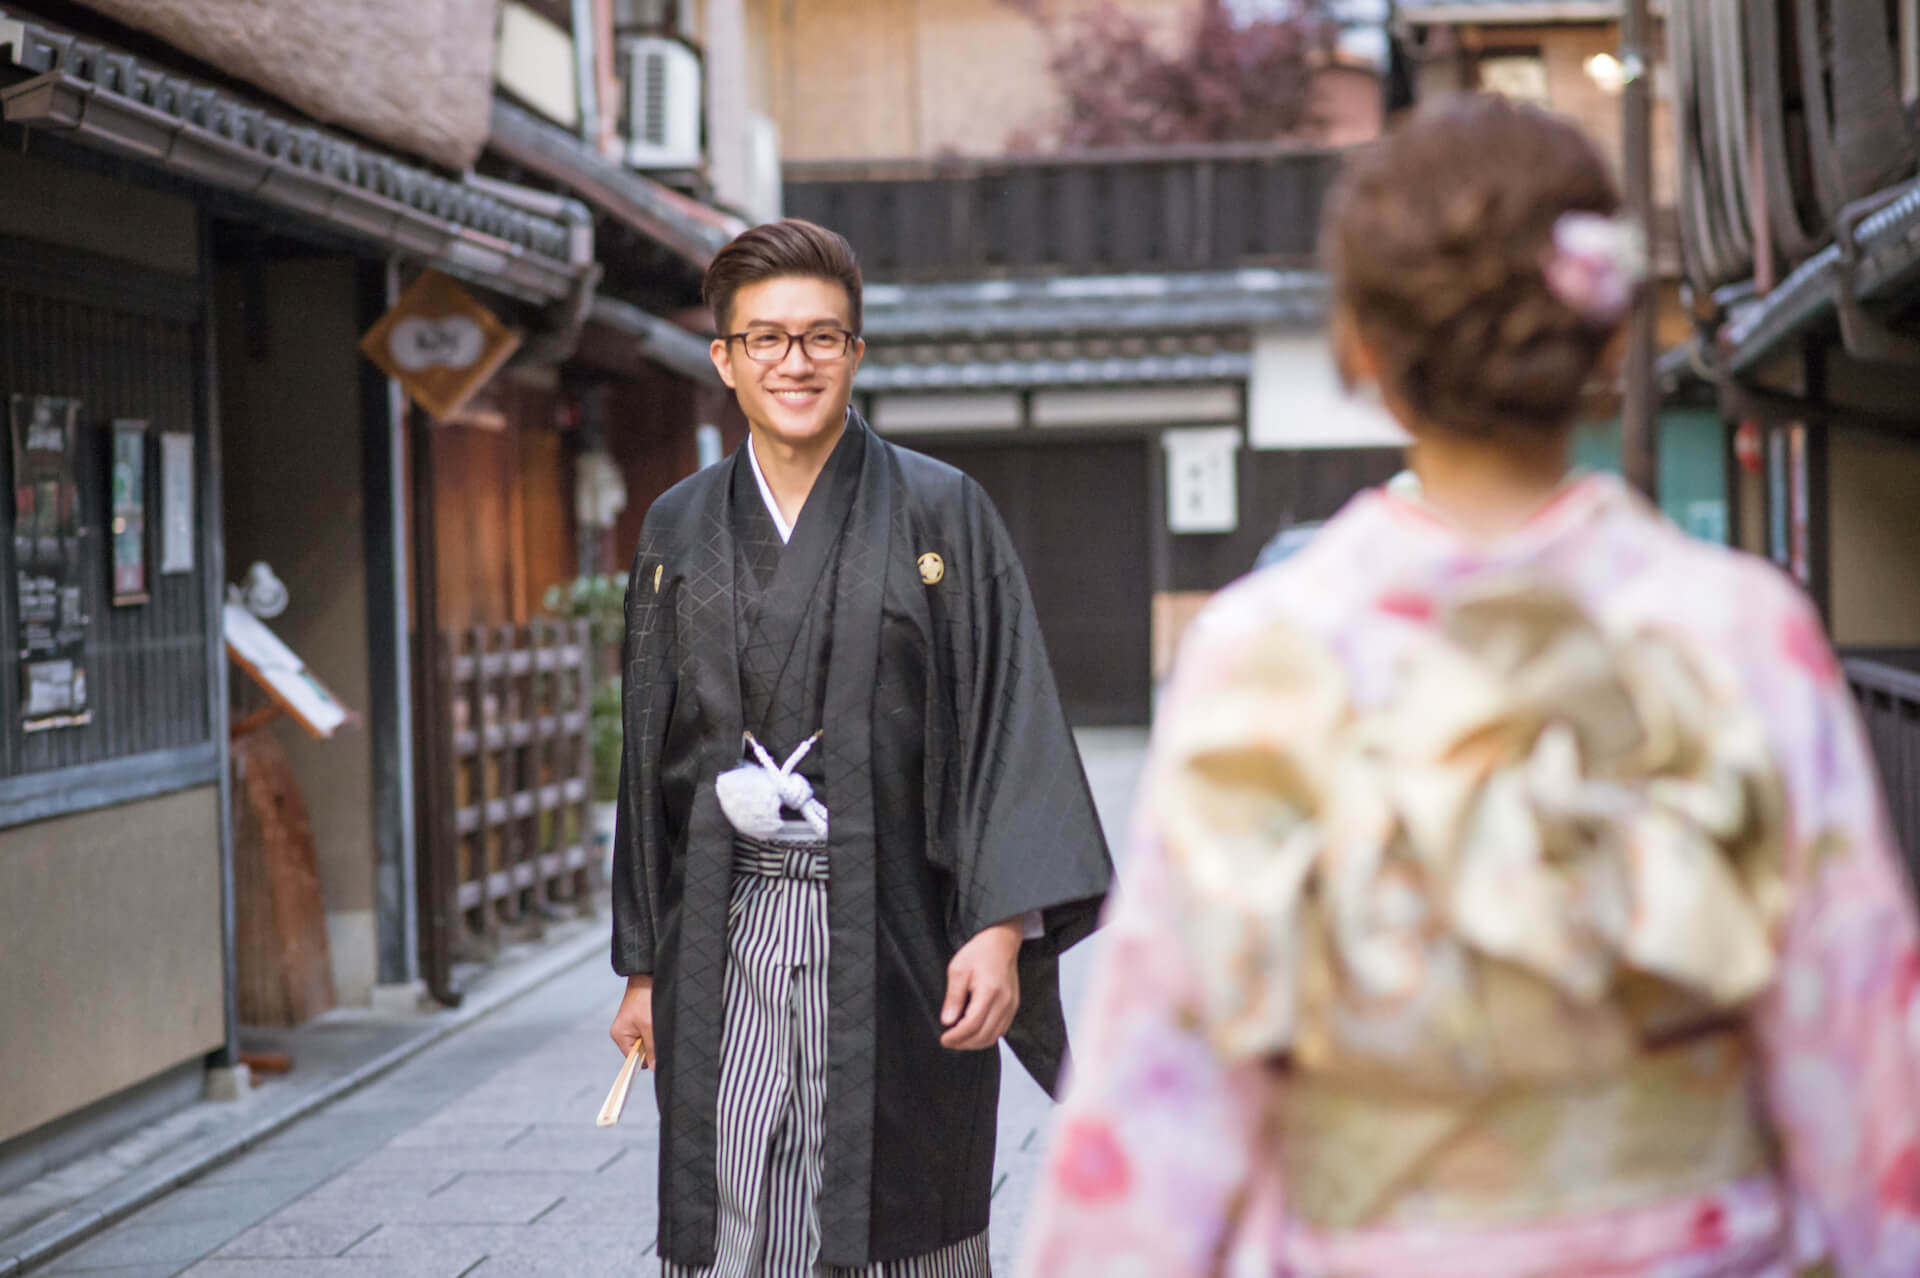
(127, 516)
(48, 537)
(176, 503)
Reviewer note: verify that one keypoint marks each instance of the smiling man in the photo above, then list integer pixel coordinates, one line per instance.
(854, 831)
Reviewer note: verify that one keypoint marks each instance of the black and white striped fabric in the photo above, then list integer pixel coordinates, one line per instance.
(773, 1078)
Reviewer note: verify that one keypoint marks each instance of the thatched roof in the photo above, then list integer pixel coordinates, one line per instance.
(415, 75)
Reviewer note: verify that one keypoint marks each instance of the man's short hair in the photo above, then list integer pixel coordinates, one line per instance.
(791, 246)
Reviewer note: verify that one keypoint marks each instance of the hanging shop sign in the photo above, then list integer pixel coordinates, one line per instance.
(48, 538)
(439, 343)
(128, 515)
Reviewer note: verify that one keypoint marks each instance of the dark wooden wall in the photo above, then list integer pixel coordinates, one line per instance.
(1192, 209)
(504, 512)
(124, 340)
(1277, 489)
(652, 420)
(548, 528)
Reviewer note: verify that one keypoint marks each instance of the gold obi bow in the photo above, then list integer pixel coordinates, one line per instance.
(1550, 841)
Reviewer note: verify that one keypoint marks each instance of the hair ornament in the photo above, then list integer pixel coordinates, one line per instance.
(1595, 265)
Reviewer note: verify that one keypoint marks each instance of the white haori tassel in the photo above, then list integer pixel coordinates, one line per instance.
(753, 794)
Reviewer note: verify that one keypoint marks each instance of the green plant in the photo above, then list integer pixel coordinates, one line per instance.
(604, 731)
(600, 601)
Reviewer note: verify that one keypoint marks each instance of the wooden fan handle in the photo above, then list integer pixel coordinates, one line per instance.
(622, 1084)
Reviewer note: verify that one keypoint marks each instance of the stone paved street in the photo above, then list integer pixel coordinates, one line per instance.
(479, 1158)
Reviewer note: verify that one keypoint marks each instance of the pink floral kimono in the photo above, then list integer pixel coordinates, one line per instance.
(1500, 909)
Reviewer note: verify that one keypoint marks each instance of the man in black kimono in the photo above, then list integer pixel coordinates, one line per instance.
(854, 832)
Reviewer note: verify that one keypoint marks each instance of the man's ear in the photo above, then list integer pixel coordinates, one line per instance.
(717, 350)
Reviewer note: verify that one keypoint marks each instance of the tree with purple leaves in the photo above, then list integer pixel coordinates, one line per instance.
(1229, 78)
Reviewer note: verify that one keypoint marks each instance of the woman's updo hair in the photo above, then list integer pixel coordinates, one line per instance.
(1437, 238)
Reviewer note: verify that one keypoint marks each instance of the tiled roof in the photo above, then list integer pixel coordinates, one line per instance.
(116, 101)
(1095, 304)
(1057, 360)
(1114, 370)
(1883, 268)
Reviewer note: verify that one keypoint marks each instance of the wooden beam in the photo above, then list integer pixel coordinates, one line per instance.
(1640, 413)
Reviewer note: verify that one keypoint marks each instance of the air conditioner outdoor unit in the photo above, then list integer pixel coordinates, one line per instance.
(663, 102)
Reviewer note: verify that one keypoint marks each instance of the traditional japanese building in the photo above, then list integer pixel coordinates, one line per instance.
(198, 227)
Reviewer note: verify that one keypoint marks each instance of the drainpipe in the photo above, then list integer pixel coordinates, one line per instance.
(1639, 413)
(586, 71)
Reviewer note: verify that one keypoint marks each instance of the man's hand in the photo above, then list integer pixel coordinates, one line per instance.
(983, 989)
(634, 1020)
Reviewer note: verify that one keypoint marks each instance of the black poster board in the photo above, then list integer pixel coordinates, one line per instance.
(47, 540)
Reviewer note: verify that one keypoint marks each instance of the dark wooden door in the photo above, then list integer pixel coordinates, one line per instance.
(1077, 512)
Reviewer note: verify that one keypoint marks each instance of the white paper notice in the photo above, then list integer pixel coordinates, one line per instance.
(305, 697)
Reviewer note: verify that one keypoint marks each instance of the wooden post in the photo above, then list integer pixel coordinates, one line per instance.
(582, 675)
(1640, 411)
(391, 664)
(488, 853)
(436, 880)
(439, 869)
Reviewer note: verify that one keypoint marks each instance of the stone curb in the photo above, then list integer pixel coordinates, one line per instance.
(104, 1208)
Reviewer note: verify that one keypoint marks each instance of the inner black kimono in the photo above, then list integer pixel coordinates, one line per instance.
(957, 797)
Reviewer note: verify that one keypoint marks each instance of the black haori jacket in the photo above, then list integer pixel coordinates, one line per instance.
(957, 798)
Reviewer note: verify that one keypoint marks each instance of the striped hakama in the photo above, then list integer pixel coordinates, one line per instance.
(773, 1077)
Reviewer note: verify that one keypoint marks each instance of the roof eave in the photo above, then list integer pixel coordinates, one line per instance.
(1130, 304)
(683, 225)
(115, 102)
(1884, 264)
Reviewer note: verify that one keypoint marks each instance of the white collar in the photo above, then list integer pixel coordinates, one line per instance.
(766, 494)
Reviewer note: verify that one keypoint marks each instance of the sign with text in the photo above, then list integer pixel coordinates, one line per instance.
(439, 343)
(48, 531)
(1203, 479)
(273, 665)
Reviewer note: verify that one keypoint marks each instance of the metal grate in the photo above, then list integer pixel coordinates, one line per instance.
(1886, 685)
(654, 81)
(147, 664)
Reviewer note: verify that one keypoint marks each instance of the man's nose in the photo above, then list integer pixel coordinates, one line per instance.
(795, 360)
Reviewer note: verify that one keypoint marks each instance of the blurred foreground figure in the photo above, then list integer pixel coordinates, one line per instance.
(1512, 893)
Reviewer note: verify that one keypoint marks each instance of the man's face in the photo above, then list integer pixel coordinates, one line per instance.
(797, 391)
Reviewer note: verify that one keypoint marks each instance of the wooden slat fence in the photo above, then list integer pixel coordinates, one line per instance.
(1184, 209)
(510, 834)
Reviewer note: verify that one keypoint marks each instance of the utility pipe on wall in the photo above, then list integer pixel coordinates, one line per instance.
(1639, 415)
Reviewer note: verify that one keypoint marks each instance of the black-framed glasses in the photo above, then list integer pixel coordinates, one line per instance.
(772, 345)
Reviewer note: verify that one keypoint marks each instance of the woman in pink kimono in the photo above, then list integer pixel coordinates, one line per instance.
(1512, 893)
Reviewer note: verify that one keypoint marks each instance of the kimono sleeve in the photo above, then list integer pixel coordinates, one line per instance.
(648, 667)
(1841, 1031)
(1030, 836)
(1155, 1163)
